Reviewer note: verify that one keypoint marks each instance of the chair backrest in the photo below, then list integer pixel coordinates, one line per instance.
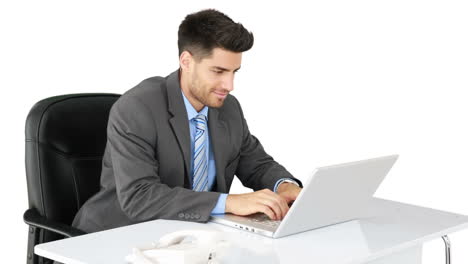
(65, 142)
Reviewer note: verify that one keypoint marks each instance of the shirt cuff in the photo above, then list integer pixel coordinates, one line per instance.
(280, 181)
(220, 207)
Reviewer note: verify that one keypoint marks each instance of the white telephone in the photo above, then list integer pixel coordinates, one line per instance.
(185, 246)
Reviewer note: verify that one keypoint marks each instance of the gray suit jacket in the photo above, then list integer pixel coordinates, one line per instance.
(145, 170)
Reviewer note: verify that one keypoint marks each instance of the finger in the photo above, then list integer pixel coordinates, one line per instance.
(284, 206)
(282, 203)
(279, 202)
(273, 205)
(287, 197)
(266, 210)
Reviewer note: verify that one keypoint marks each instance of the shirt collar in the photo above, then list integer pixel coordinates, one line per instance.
(191, 112)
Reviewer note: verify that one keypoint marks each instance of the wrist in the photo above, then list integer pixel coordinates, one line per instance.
(228, 208)
(282, 182)
(284, 186)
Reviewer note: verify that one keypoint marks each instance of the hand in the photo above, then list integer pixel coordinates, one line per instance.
(263, 201)
(289, 191)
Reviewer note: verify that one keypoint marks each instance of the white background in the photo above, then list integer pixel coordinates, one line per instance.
(346, 80)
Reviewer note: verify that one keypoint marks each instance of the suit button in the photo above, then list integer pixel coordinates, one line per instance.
(181, 215)
(187, 216)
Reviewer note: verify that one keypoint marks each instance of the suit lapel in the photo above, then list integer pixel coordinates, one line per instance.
(219, 138)
(179, 121)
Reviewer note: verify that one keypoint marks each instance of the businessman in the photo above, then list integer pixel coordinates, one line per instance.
(175, 143)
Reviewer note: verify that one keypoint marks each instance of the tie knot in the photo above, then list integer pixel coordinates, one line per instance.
(200, 121)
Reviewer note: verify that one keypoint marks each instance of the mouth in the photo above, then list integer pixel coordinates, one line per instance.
(220, 95)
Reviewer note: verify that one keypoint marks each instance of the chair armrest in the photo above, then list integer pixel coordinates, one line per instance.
(33, 218)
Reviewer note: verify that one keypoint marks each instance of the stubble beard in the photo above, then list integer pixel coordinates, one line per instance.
(205, 99)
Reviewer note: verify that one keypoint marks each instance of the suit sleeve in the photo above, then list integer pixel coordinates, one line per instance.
(132, 139)
(257, 169)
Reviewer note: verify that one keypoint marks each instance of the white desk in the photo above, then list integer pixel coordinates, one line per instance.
(392, 233)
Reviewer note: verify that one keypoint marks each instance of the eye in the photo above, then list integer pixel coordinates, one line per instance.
(217, 71)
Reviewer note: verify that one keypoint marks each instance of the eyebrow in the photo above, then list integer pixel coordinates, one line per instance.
(224, 69)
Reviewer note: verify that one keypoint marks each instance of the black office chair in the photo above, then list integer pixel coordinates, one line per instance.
(65, 142)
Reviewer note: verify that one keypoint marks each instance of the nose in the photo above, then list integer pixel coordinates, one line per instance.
(228, 82)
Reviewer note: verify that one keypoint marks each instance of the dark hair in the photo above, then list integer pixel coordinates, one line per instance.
(205, 30)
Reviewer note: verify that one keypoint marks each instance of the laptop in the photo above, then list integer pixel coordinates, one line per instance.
(331, 195)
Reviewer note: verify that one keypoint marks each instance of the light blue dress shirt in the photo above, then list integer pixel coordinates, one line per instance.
(192, 113)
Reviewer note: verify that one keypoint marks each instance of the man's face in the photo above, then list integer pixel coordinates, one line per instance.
(211, 79)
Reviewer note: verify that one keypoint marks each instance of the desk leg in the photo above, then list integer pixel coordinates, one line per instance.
(447, 249)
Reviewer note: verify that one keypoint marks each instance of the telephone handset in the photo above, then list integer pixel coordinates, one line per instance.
(185, 246)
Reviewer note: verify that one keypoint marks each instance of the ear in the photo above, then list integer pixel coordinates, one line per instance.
(185, 61)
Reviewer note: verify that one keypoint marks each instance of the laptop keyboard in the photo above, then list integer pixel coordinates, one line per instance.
(263, 219)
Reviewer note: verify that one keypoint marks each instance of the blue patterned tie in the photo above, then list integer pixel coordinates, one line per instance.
(200, 161)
